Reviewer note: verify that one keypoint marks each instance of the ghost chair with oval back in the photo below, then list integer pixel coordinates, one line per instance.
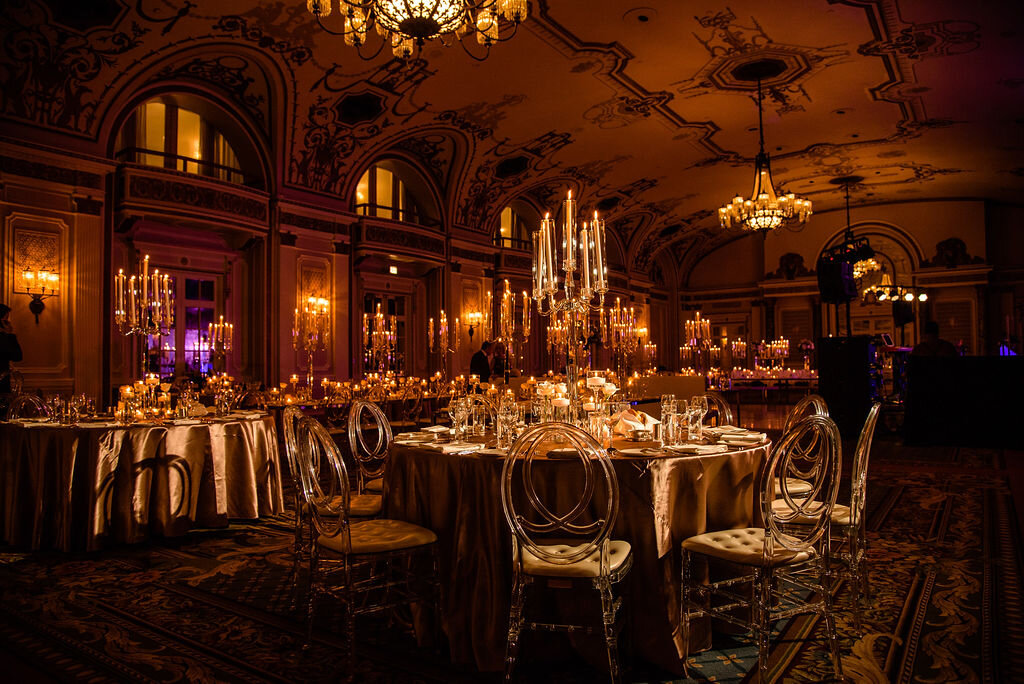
(796, 482)
(786, 568)
(370, 460)
(369, 565)
(848, 534)
(719, 408)
(563, 551)
(359, 505)
(27, 405)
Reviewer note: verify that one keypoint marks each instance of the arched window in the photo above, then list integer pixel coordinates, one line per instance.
(188, 134)
(514, 226)
(389, 189)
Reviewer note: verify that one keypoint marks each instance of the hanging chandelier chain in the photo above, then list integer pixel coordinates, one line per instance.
(760, 115)
(766, 209)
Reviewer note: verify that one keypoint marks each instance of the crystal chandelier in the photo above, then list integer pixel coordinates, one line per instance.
(405, 25)
(765, 210)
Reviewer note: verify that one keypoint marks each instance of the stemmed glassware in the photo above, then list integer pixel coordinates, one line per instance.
(508, 418)
(460, 415)
(695, 420)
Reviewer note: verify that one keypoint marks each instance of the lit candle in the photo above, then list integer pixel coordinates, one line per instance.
(145, 282)
(569, 233)
(585, 253)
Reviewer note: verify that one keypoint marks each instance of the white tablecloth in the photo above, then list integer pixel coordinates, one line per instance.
(73, 488)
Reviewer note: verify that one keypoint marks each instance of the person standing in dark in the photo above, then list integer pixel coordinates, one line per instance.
(932, 344)
(10, 350)
(480, 364)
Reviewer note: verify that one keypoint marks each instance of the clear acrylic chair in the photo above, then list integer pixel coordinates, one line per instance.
(369, 460)
(788, 568)
(27, 405)
(369, 565)
(360, 505)
(409, 404)
(718, 406)
(848, 522)
(567, 548)
(811, 405)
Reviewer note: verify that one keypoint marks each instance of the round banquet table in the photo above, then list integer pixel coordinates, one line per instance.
(74, 487)
(663, 500)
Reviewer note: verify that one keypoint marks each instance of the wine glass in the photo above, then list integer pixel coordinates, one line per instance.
(668, 406)
(460, 416)
(699, 407)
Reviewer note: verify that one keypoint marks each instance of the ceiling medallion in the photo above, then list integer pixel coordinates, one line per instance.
(766, 210)
(406, 25)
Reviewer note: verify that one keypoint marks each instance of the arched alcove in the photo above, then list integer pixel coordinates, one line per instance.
(392, 188)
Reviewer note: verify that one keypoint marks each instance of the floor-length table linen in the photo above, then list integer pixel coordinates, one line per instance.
(74, 488)
(663, 500)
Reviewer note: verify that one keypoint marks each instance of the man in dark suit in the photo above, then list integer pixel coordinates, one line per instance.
(480, 364)
(10, 350)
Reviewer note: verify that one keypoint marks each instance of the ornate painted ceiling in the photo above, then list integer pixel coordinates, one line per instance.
(635, 106)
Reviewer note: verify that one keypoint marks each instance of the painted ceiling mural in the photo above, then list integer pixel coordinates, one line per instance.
(637, 108)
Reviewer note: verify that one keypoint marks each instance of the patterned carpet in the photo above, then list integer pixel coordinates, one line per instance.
(220, 605)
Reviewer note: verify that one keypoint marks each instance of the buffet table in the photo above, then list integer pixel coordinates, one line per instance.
(76, 487)
(663, 500)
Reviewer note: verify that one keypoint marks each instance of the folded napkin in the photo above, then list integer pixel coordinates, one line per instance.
(186, 421)
(409, 442)
(630, 420)
(743, 438)
(492, 452)
(698, 449)
(455, 447)
(37, 423)
(436, 428)
(98, 425)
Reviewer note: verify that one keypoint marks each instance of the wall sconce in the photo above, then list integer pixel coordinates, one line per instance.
(38, 284)
(473, 318)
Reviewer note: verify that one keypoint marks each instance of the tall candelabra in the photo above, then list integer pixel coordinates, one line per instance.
(440, 343)
(380, 340)
(697, 343)
(221, 337)
(143, 305)
(507, 323)
(311, 331)
(621, 335)
(586, 244)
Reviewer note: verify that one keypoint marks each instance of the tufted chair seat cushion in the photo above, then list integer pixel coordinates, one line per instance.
(359, 505)
(794, 485)
(375, 485)
(744, 546)
(380, 535)
(840, 514)
(618, 552)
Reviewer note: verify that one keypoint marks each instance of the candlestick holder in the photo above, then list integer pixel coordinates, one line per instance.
(311, 332)
(220, 337)
(380, 341)
(577, 300)
(143, 306)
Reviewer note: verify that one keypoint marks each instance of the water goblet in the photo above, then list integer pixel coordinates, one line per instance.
(668, 406)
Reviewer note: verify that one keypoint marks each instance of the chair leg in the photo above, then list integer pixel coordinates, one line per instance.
(314, 558)
(830, 625)
(515, 624)
(608, 617)
(350, 625)
(684, 609)
(761, 606)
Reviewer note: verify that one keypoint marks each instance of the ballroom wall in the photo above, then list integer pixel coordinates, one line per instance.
(310, 130)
